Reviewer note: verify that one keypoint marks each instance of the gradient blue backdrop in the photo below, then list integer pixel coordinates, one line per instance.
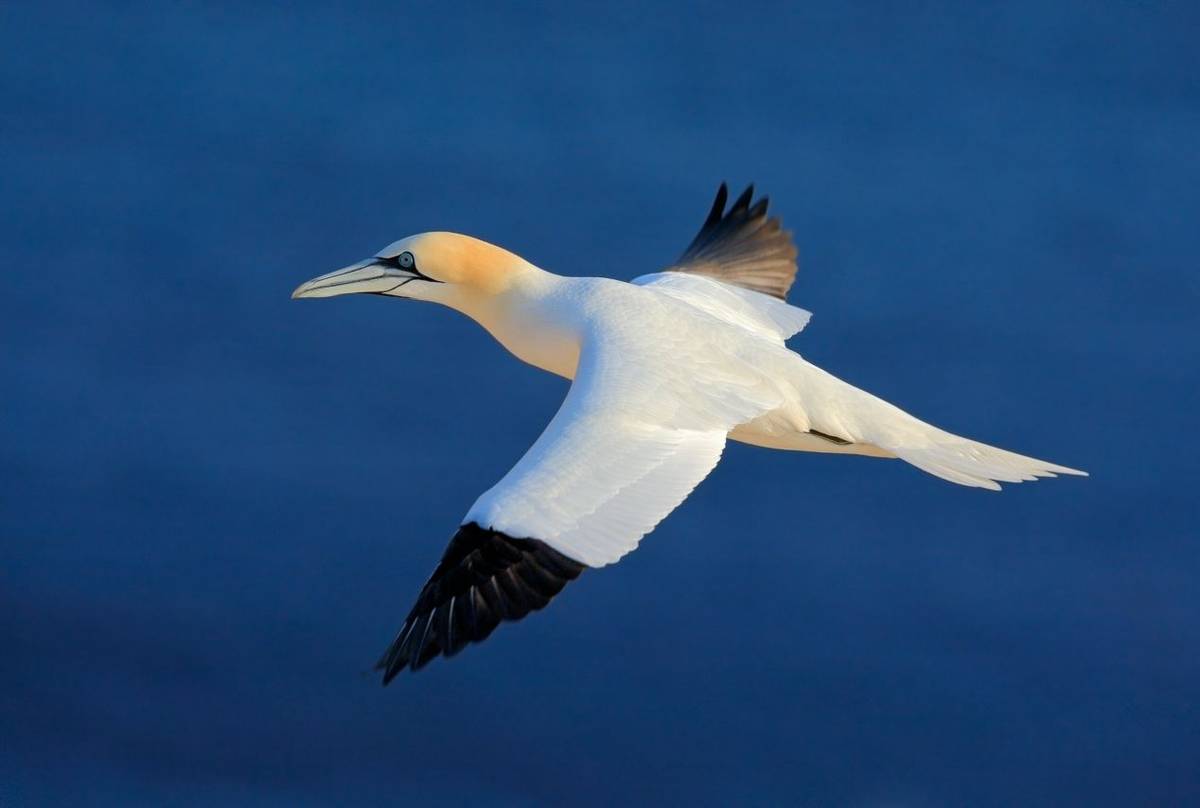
(217, 503)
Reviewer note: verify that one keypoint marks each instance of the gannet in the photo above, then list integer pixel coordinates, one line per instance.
(664, 369)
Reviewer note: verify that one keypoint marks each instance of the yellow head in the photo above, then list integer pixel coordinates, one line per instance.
(442, 267)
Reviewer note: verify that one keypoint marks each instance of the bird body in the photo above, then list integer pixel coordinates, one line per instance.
(664, 370)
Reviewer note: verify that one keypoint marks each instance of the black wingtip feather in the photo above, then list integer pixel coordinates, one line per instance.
(743, 201)
(742, 246)
(484, 578)
(718, 207)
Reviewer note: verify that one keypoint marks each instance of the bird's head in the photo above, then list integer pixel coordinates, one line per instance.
(446, 268)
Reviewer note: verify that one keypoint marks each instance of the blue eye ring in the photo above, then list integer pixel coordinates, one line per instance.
(405, 260)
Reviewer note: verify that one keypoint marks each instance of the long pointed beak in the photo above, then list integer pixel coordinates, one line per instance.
(366, 277)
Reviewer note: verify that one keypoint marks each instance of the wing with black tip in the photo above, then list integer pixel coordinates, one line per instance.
(484, 577)
(742, 246)
(644, 422)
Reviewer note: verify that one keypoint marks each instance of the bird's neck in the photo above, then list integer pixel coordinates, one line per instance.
(532, 317)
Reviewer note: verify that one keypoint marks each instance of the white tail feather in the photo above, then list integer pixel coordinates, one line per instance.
(831, 406)
(968, 462)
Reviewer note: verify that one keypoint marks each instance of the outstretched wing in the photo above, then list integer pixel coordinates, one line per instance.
(742, 246)
(644, 422)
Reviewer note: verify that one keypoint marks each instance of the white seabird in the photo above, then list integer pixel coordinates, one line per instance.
(664, 369)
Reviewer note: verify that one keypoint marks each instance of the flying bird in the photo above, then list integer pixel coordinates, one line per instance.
(664, 369)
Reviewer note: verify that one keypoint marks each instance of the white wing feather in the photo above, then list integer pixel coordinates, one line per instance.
(758, 313)
(645, 420)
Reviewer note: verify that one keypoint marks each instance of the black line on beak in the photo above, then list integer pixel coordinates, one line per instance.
(394, 263)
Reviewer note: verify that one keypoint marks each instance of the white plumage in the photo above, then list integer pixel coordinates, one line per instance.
(665, 369)
(657, 389)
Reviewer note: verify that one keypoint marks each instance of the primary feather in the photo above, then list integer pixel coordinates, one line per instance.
(742, 247)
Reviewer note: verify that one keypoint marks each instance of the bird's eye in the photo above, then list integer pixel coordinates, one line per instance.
(405, 260)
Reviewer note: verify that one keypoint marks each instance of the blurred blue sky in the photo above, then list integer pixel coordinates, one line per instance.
(218, 503)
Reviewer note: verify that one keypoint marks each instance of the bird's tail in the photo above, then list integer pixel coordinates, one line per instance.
(870, 425)
(967, 462)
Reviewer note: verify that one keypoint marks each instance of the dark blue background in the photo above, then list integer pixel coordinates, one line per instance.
(218, 503)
